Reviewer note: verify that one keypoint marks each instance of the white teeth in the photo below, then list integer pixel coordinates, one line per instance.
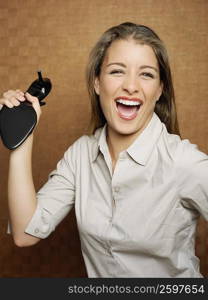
(127, 102)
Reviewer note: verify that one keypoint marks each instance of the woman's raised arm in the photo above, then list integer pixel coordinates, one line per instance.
(21, 192)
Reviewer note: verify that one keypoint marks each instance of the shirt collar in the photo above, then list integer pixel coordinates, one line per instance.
(101, 143)
(141, 148)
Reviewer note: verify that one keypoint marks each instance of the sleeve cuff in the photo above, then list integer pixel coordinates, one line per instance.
(40, 225)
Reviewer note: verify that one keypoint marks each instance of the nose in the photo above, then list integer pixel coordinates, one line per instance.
(130, 84)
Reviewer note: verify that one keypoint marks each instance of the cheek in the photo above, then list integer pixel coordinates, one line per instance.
(107, 96)
(108, 87)
(153, 94)
(105, 103)
(104, 98)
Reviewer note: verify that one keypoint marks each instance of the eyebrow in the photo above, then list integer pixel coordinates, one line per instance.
(141, 67)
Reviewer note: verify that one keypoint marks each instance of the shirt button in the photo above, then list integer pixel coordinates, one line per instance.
(116, 189)
(109, 251)
(36, 230)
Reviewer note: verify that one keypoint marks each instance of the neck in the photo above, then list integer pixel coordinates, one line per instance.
(118, 143)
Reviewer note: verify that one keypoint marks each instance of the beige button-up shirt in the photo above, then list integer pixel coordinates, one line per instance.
(138, 221)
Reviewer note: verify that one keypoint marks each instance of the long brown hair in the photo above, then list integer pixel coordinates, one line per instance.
(165, 107)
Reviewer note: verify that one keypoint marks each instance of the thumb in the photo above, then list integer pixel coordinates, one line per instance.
(35, 103)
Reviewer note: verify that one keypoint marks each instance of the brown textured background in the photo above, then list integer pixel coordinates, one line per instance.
(56, 37)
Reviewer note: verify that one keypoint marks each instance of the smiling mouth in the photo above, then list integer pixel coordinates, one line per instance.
(128, 108)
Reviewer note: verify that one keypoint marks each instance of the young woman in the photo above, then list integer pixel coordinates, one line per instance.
(138, 189)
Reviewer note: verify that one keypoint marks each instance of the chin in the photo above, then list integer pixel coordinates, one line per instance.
(126, 130)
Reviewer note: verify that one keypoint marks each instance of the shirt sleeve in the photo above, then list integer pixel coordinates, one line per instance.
(55, 198)
(194, 184)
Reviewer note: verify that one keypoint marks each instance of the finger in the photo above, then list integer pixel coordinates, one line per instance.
(35, 102)
(20, 95)
(8, 103)
(14, 101)
(31, 98)
(9, 94)
(19, 91)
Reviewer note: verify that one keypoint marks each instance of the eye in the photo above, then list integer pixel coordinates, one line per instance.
(148, 75)
(117, 71)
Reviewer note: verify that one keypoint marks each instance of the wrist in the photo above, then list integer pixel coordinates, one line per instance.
(24, 149)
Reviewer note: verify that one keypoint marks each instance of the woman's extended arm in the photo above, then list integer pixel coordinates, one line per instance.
(21, 192)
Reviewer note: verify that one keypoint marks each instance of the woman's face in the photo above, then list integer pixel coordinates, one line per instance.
(128, 86)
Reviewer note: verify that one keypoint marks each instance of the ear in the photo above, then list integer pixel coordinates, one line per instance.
(97, 86)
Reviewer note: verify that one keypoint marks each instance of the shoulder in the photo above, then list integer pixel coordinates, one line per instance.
(193, 163)
(190, 152)
(84, 147)
(182, 151)
(85, 141)
(186, 161)
(190, 163)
